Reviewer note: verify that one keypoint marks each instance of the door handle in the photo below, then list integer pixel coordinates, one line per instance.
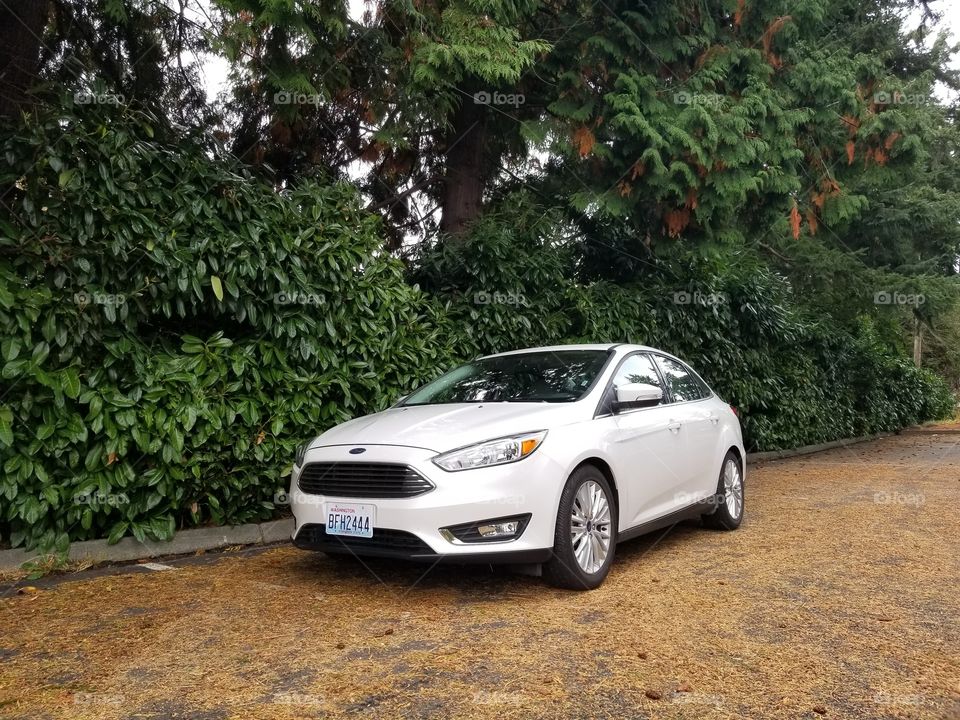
(674, 426)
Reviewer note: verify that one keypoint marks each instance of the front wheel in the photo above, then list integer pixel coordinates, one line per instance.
(729, 497)
(586, 534)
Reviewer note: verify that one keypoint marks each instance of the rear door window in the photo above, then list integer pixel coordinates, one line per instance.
(683, 383)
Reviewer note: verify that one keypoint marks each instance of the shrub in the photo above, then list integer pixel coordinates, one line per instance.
(173, 327)
(796, 379)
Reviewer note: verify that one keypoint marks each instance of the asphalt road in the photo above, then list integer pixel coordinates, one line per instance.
(838, 597)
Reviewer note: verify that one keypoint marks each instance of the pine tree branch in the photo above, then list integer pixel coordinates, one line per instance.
(774, 252)
(400, 196)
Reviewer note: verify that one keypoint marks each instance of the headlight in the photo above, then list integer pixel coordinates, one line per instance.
(301, 451)
(491, 452)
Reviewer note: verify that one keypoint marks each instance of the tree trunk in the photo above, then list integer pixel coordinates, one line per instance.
(21, 27)
(463, 184)
(917, 342)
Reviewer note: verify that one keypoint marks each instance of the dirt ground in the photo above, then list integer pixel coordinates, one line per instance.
(838, 597)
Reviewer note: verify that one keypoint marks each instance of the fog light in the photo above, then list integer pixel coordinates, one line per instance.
(501, 529)
(506, 529)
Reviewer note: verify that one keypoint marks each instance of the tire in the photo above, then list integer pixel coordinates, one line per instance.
(728, 501)
(564, 569)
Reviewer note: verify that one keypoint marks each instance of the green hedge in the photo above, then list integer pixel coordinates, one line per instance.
(173, 327)
(797, 380)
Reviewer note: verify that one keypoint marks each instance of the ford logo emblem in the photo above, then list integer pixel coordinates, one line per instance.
(357, 451)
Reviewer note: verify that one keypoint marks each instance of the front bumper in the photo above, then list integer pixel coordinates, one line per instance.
(406, 546)
(410, 528)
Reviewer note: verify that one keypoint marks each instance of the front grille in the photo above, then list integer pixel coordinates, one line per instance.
(363, 480)
(384, 540)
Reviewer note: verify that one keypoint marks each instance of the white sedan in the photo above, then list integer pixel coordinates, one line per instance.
(549, 455)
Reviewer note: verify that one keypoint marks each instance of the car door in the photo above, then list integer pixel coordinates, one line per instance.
(691, 406)
(646, 447)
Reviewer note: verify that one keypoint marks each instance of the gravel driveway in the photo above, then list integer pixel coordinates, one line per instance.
(838, 597)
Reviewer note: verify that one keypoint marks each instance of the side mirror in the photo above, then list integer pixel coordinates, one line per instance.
(637, 395)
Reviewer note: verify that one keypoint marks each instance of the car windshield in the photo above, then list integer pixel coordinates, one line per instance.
(559, 376)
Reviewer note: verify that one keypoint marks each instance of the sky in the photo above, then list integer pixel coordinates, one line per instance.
(951, 22)
(215, 67)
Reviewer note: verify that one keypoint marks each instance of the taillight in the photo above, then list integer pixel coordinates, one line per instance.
(734, 411)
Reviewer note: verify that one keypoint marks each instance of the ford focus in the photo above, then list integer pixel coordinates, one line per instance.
(550, 456)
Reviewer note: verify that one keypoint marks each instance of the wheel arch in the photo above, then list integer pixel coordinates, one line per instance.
(604, 467)
(735, 449)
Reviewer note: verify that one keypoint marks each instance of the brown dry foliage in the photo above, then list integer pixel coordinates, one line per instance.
(583, 140)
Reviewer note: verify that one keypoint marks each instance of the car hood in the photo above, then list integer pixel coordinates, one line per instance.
(445, 427)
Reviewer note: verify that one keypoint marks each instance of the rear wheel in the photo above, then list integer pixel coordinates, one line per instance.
(729, 497)
(586, 534)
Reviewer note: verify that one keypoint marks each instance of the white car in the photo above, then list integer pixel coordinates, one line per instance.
(549, 455)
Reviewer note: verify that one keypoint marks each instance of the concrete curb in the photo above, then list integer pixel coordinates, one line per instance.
(810, 449)
(183, 542)
(932, 431)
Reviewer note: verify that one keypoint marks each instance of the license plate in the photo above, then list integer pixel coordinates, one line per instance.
(350, 519)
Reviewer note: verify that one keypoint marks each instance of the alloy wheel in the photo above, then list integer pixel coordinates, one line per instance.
(590, 527)
(733, 488)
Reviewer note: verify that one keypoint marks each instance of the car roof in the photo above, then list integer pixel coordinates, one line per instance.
(623, 347)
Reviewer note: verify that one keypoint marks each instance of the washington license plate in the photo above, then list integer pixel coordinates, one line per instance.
(355, 520)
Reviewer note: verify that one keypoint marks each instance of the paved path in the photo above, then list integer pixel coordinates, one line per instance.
(839, 597)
